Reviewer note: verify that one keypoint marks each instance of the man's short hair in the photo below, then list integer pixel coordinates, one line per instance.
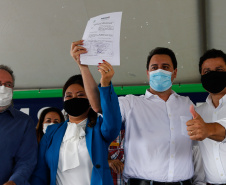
(212, 53)
(162, 51)
(9, 70)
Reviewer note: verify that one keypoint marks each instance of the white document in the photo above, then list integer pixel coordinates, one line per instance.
(102, 39)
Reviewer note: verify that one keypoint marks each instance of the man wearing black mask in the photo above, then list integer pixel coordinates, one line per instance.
(209, 122)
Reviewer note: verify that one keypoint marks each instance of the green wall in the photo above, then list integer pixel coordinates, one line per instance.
(122, 90)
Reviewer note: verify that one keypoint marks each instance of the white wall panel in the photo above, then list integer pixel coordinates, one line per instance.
(35, 37)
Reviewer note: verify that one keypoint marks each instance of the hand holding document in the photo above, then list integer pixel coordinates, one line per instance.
(102, 39)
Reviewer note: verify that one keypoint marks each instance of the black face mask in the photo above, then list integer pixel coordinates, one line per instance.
(214, 81)
(76, 106)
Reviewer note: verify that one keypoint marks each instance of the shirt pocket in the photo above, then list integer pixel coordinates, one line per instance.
(183, 120)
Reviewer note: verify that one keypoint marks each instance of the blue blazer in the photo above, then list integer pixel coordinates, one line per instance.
(98, 139)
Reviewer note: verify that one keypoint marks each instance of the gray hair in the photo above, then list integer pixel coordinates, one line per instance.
(9, 70)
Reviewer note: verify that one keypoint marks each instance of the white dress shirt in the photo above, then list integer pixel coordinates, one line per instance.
(199, 174)
(75, 165)
(157, 146)
(213, 152)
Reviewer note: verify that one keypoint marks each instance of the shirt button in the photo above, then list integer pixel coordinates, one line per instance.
(216, 158)
(171, 128)
(171, 156)
(221, 174)
(97, 166)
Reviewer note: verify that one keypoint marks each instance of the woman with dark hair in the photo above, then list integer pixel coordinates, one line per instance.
(75, 152)
(48, 117)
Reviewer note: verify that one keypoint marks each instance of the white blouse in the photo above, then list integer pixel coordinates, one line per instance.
(74, 165)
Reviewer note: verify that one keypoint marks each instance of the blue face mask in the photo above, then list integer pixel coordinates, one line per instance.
(160, 80)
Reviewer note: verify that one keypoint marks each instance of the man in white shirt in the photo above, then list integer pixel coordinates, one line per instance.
(209, 122)
(157, 147)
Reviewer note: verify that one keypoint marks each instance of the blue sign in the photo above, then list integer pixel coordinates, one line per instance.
(33, 107)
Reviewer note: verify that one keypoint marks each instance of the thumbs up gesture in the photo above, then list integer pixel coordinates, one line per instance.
(197, 128)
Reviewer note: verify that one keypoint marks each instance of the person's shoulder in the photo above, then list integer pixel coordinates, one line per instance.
(54, 126)
(183, 101)
(202, 106)
(183, 98)
(21, 119)
(51, 128)
(129, 99)
(20, 115)
(131, 96)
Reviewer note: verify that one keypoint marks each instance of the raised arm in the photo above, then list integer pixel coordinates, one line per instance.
(108, 105)
(107, 72)
(90, 85)
(112, 122)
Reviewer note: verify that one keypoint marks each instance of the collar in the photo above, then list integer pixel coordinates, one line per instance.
(148, 94)
(74, 130)
(81, 124)
(221, 101)
(11, 110)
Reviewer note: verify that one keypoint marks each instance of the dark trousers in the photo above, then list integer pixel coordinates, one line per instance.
(151, 182)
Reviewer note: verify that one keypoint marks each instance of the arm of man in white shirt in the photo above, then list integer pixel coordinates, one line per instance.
(200, 130)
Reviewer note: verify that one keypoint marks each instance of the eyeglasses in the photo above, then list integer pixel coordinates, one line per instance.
(7, 84)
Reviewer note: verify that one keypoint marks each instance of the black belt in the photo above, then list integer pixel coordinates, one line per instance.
(214, 184)
(151, 182)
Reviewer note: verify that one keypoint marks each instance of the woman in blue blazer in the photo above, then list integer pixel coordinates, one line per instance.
(75, 152)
